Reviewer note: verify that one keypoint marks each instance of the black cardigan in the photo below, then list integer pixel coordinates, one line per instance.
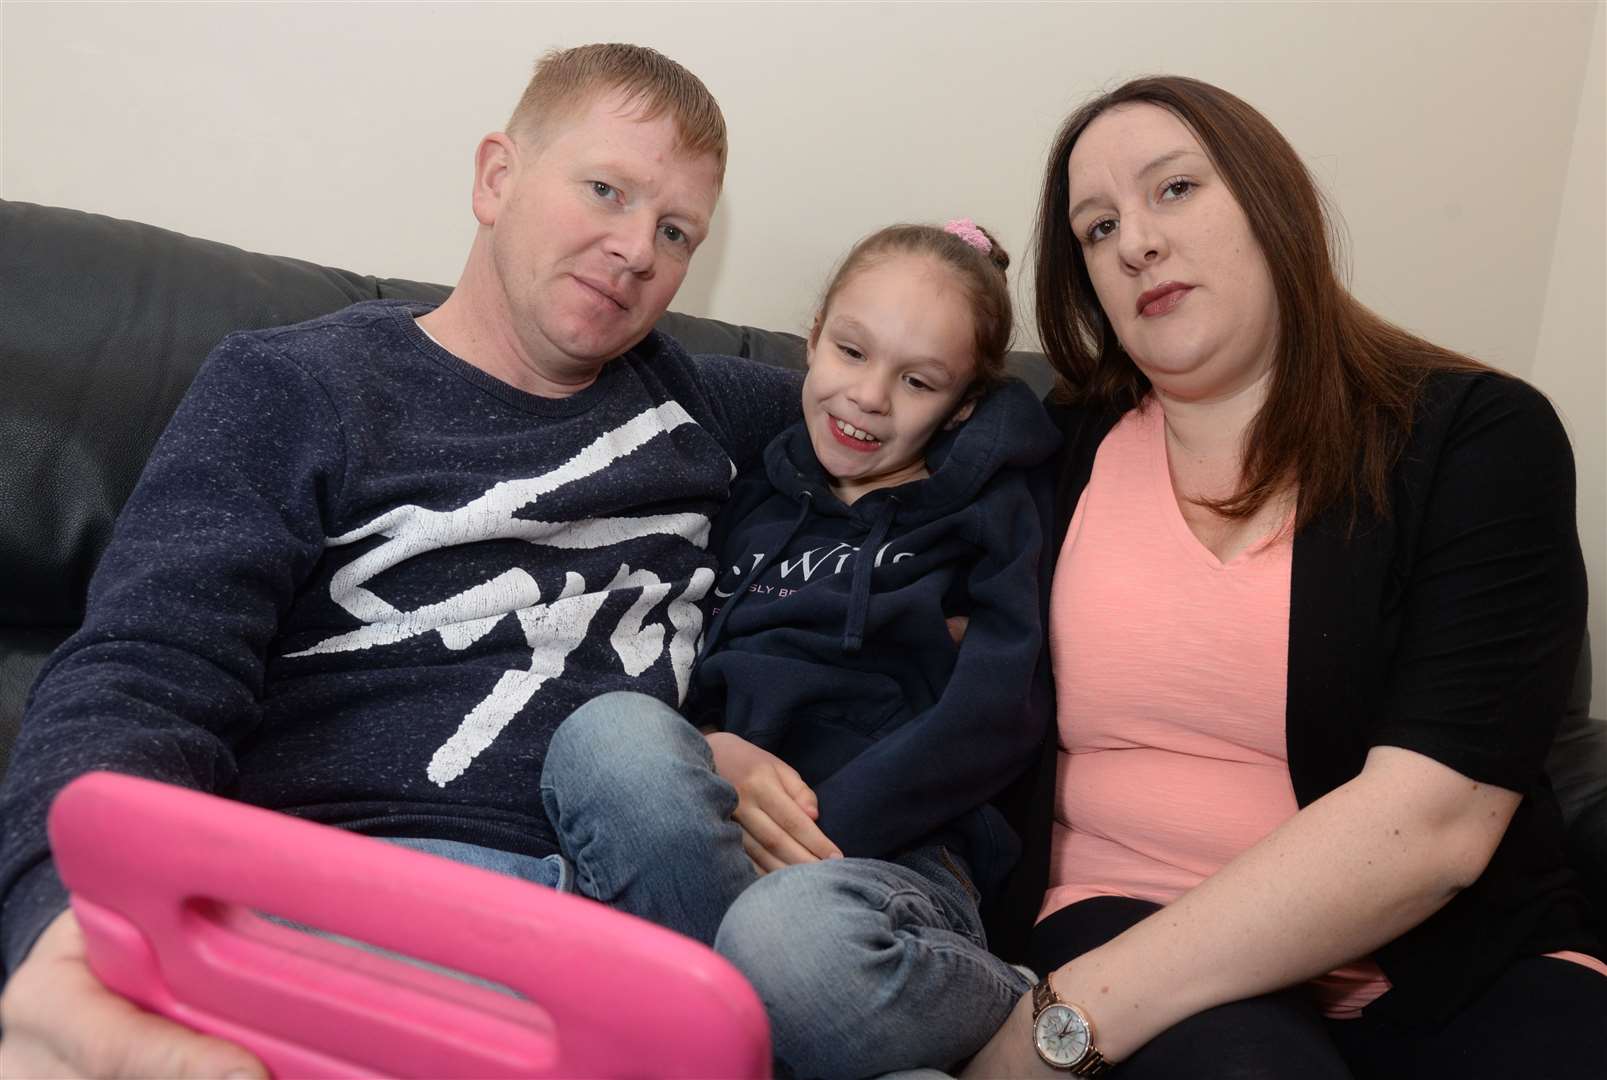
(1451, 627)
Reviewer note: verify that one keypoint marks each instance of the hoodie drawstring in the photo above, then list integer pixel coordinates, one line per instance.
(859, 593)
(717, 628)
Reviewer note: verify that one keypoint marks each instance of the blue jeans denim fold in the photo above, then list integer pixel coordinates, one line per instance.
(553, 871)
(867, 966)
(630, 788)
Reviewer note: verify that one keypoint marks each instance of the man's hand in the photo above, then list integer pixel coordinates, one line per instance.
(775, 808)
(59, 1021)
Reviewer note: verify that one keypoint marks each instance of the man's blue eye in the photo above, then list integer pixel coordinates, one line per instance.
(673, 234)
(602, 190)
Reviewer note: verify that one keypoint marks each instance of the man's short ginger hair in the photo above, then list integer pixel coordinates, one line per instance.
(651, 83)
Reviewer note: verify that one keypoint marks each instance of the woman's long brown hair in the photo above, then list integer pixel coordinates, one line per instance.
(1344, 381)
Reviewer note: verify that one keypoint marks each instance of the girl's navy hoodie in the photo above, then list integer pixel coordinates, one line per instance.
(828, 644)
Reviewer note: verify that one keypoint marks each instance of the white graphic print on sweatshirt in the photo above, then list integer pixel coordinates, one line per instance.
(552, 629)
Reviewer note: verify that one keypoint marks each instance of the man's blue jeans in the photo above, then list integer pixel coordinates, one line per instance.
(864, 965)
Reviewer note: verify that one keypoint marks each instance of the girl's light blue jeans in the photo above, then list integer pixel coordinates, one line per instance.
(865, 965)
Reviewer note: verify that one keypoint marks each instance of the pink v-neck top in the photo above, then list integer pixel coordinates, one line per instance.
(1170, 669)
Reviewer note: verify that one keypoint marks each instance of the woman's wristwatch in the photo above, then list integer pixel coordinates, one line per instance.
(1063, 1035)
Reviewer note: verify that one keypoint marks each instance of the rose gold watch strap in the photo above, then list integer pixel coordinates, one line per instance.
(1093, 1064)
(1043, 996)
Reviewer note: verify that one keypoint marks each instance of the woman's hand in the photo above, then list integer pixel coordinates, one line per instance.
(776, 809)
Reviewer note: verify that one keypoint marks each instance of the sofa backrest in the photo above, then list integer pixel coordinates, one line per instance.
(103, 324)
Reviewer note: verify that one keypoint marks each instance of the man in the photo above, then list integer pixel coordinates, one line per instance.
(378, 557)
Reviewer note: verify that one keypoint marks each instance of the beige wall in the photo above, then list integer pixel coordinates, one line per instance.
(1461, 141)
(2, 96)
(1571, 353)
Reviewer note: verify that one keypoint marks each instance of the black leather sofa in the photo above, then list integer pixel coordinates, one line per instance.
(103, 324)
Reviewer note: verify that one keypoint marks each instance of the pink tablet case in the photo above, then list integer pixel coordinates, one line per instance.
(166, 883)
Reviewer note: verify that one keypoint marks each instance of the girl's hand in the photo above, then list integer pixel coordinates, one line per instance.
(775, 808)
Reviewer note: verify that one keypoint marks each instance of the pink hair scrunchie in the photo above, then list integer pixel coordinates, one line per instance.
(967, 230)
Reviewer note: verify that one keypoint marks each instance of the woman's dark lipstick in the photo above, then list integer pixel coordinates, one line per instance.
(1162, 298)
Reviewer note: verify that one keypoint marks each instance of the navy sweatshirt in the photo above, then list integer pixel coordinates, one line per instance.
(361, 581)
(829, 647)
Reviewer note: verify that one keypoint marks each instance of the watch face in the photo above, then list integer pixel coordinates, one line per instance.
(1061, 1035)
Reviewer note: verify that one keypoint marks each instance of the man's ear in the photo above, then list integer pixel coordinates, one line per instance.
(961, 414)
(496, 161)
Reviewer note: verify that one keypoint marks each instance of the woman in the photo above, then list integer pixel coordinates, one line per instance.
(1318, 600)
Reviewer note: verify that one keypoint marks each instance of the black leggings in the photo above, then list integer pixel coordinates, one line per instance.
(1542, 1019)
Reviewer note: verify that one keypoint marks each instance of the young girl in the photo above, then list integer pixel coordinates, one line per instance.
(856, 745)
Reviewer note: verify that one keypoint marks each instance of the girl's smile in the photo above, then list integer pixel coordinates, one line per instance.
(853, 438)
